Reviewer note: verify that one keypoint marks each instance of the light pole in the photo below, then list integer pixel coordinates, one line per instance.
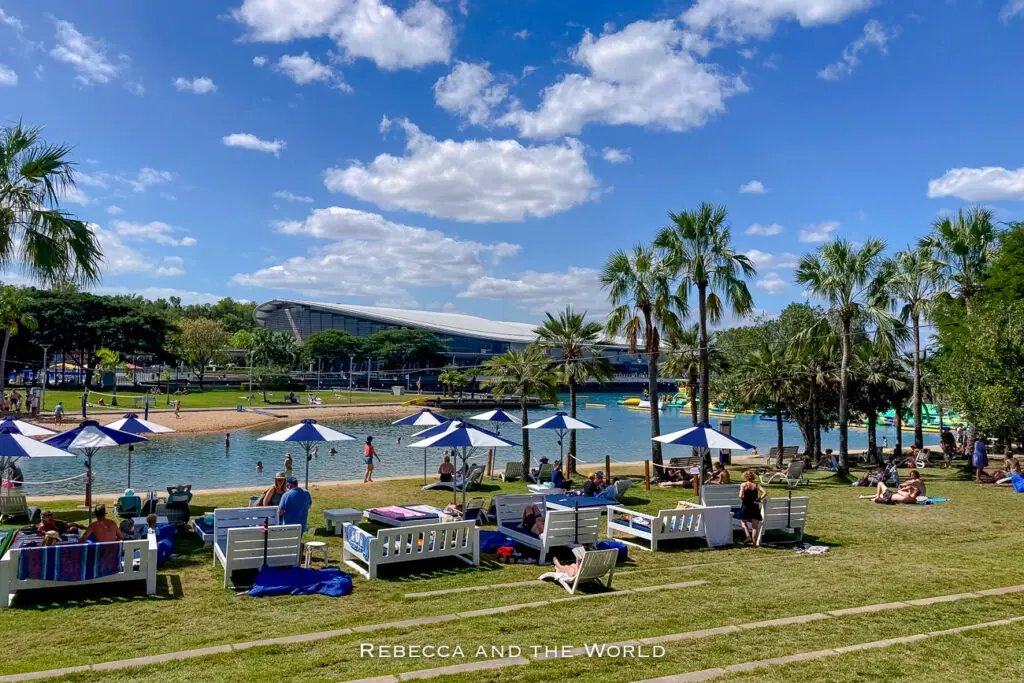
(251, 355)
(46, 378)
(351, 361)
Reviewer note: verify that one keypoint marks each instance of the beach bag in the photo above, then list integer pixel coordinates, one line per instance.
(491, 541)
(505, 553)
(1018, 482)
(614, 545)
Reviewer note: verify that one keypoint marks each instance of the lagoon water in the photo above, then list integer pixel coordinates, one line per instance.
(204, 462)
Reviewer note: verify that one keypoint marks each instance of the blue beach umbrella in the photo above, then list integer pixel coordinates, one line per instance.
(10, 425)
(704, 436)
(307, 433)
(497, 417)
(424, 418)
(561, 423)
(15, 445)
(132, 424)
(463, 438)
(89, 437)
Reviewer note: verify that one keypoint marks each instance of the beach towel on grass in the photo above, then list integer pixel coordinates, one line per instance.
(71, 562)
(1018, 482)
(300, 581)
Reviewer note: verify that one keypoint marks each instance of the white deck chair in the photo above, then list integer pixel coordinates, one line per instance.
(793, 476)
(594, 566)
(621, 485)
(513, 471)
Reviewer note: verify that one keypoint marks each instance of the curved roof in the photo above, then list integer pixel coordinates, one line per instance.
(435, 321)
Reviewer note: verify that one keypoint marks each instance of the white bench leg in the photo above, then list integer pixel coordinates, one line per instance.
(5, 584)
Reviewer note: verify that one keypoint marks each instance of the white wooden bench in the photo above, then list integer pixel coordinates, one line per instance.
(255, 546)
(225, 519)
(143, 570)
(366, 552)
(717, 495)
(783, 514)
(561, 527)
(711, 524)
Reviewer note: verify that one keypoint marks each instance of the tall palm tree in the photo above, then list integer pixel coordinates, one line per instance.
(35, 234)
(640, 290)
(915, 279)
(12, 318)
(767, 379)
(682, 359)
(851, 280)
(880, 377)
(576, 341)
(698, 248)
(524, 374)
(966, 244)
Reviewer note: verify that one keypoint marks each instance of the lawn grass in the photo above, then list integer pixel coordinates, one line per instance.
(878, 554)
(211, 398)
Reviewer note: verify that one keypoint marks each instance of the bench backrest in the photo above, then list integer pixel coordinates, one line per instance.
(682, 522)
(422, 541)
(790, 451)
(568, 527)
(720, 494)
(246, 545)
(782, 513)
(509, 508)
(225, 519)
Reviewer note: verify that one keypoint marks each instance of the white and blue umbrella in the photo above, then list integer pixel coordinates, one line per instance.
(704, 436)
(433, 430)
(424, 418)
(463, 438)
(497, 417)
(307, 433)
(10, 425)
(89, 437)
(15, 445)
(133, 424)
(561, 423)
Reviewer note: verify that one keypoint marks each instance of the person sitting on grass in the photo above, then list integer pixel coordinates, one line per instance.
(591, 487)
(1004, 477)
(559, 481)
(720, 475)
(907, 493)
(871, 478)
(103, 530)
(828, 461)
(446, 471)
(533, 520)
(272, 496)
(676, 477)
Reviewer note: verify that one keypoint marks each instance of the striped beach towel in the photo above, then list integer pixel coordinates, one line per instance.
(71, 562)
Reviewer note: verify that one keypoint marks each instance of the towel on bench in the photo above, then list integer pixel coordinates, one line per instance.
(71, 562)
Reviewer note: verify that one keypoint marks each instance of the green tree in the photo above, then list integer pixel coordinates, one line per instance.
(879, 384)
(241, 341)
(397, 348)
(915, 279)
(851, 280)
(13, 317)
(644, 305)
(522, 374)
(576, 342)
(766, 381)
(698, 248)
(35, 233)
(109, 361)
(202, 341)
(331, 347)
(966, 244)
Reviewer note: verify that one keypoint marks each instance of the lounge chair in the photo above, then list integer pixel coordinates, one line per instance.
(594, 566)
(15, 506)
(475, 510)
(793, 476)
(128, 506)
(543, 474)
(470, 481)
(176, 509)
(314, 400)
(513, 471)
(620, 487)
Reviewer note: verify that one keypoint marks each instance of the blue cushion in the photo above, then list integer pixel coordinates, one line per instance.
(614, 545)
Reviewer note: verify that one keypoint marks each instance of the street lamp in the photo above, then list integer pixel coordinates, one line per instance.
(46, 379)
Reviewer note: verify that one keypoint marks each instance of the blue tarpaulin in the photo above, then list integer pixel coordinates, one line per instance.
(299, 581)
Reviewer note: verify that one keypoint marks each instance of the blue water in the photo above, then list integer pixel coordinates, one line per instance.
(204, 462)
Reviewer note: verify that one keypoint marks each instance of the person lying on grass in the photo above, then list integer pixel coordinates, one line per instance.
(908, 492)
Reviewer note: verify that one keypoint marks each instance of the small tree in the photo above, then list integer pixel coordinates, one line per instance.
(522, 374)
(202, 341)
(12, 318)
(109, 361)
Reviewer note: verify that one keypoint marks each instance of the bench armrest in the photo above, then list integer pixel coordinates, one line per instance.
(358, 541)
(616, 509)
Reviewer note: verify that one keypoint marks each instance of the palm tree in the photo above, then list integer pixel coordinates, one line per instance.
(12, 318)
(966, 244)
(698, 248)
(639, 288)
(524, 374)
(109, 361)
(35, 234)
(915, 278)
(576, 342)
(880, 376)
(850, 279)
(682, 359)
(766, 379)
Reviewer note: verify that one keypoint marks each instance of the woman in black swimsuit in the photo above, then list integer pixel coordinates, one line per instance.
(751, 495)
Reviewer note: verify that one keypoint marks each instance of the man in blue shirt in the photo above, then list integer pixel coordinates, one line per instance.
(295, 504)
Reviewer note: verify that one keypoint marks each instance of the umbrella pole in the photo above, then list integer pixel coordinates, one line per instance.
(424, 466)
(88, 482)
(308, 445)
(130, 465)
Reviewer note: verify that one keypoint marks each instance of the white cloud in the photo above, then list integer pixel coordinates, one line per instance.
(171, 266)
(13, 22)
(73, 194)
(187, 296)
(748, 52)
(198, 86)
(259, 61)
(369, 256)
(1011, 9)
(539, 292)
(147, 177)
(156, 232)
(771, 283)
(819, 232)
(115, 210)
(990, 183)
(86, 56)
(615, 156)
(741, 19)
(292, 197)
(644, 75)
(135, 88)
(763, 259)
(469, 92)
(420, 34)
(763, 230)
(250, 141)
(875, 35)
(143, 180)
(522, 35)
(7, 75)
(753, 187)
(39, 71)
(480, 181)
(119, 258)
(304, 70)
(98, 179)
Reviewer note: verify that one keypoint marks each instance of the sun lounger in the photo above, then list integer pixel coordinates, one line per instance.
(711, 524)
(128, 506)
(793, 476)
(543, 474)
(404, 515)
(513, 471)
(366, 553)
(561, 527)
(258, 546)
(594, 566)
(15, 506)
(783, 514)
(467, 483)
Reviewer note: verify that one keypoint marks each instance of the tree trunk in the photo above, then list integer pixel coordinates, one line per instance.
(525, 420)
(652, 396)
(815, 423)
(872, 436)
(844, 415)
(918, 429)
(570, 462)
(202, 373)
(692, 387)
(704, 380)
(3, 358)
(778, 434)
(898, 423)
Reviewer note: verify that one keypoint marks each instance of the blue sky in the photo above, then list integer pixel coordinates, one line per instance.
(485, 157)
